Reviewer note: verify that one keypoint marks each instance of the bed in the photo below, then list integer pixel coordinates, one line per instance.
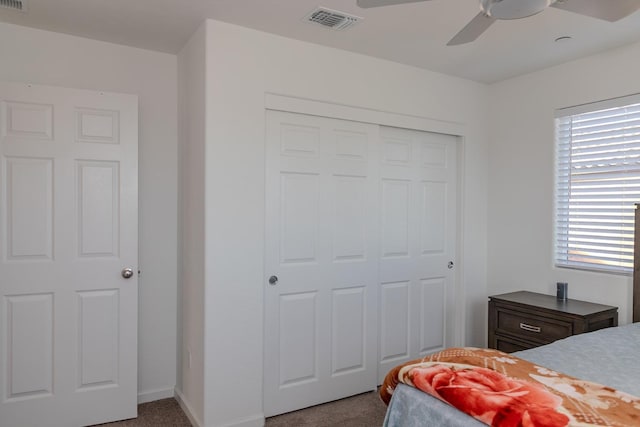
(595, 357)
(594, 379)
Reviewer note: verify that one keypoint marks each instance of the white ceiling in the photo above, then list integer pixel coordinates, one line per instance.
(414, 34)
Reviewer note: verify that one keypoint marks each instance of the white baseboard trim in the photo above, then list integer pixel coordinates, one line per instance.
(252, 421)
(151, 395)
(187, 409)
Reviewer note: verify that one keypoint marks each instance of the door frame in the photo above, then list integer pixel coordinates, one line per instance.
(292, 104)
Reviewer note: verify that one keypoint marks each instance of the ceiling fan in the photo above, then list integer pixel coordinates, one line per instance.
(493, 10)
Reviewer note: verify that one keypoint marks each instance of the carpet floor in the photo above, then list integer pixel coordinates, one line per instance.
(159, 413)
(363, 410)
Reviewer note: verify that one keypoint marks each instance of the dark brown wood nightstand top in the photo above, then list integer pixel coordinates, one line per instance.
(551, 303)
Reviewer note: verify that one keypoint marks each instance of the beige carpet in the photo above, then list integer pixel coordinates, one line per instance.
(363, 410)
(160, 413)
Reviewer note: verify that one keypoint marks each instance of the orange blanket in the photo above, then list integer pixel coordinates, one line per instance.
(502, 390)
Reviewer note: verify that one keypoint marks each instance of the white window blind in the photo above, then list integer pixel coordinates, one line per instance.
(597, 184)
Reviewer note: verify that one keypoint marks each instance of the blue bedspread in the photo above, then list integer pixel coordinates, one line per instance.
(608, 356)
(411, 407)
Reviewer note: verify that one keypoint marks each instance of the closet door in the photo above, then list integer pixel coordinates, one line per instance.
(321, 260)
(417, 242)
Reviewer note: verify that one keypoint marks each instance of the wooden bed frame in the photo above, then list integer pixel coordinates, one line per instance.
(636, 268)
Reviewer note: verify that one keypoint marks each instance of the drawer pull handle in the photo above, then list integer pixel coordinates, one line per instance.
(530, 328)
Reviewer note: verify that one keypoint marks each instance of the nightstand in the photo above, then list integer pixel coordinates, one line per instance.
(522, 320)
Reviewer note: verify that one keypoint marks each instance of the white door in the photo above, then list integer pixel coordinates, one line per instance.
(68, 227)
(321, 244)
(417, 242)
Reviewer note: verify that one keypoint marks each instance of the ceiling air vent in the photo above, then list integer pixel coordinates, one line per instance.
(20, 5)
(332, 18)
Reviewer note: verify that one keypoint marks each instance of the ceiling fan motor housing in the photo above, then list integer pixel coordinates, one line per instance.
(513, 9)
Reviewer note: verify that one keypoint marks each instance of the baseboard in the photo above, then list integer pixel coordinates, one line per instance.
(187, 409)
(253, 421)
(151, 395)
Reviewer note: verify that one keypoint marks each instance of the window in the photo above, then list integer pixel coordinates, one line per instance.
(597, 184)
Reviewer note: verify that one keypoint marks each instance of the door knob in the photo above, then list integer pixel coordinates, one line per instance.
(450, 265)
(127, 273)
(273, 280)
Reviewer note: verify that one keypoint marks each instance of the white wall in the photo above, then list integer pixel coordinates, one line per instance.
(243, 65)
(29, 55)
(521, 179)
(191, 97)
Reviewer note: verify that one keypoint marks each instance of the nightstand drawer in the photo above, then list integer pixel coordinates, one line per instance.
(539, 328)
(509, 344)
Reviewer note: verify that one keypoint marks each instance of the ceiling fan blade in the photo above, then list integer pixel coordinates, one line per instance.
(609, 10)
(365, 4)
(472, 30)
